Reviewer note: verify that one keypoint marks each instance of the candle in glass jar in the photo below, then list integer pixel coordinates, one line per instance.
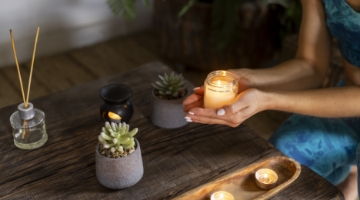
(220, 89)
(222, 195)
(266, 178)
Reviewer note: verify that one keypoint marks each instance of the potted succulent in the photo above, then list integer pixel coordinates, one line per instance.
(118, 156)
(167, 97)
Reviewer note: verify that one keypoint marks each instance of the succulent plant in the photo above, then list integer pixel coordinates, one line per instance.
(170, 87)
(116, 140)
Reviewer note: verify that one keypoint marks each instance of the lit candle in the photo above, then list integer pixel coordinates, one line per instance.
(114, 117)
(220, 89)
(222, 195)
(266, 178)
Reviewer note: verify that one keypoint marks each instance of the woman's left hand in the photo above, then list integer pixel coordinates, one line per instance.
(246, 104)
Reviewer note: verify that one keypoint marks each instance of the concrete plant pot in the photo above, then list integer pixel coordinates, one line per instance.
(119, 173)
(169, 114)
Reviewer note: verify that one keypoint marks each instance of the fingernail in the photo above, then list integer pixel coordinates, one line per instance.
(220, 112)
(196, 88)
(191, 113)
(188, 119)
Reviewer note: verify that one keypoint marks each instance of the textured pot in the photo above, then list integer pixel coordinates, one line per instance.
(168, 113)
(119, 173)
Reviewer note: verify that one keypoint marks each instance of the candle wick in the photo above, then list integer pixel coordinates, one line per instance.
(265, 179)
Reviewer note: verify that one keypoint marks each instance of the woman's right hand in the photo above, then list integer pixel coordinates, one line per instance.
(197, 98)
(246, 104)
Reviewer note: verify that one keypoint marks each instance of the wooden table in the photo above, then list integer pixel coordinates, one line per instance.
(175, 161)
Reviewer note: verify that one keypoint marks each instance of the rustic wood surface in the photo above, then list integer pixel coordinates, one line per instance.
(175, 161)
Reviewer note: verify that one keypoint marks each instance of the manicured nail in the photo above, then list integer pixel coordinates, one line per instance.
(220, 112)
(196, 88)
(188, 119)
(191, 113)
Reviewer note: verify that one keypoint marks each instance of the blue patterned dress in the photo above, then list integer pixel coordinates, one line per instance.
(327, 146)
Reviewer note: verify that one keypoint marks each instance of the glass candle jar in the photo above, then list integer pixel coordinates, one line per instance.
(116, 106)
(28, 127)
(221, 88)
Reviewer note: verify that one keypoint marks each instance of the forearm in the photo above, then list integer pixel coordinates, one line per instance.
(329, 102)
(309, 68)
(295, 74)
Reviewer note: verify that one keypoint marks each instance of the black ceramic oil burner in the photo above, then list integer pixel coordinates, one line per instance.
(116, 106)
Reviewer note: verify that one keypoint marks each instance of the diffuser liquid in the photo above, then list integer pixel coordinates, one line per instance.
(30, 138)
(29, 134)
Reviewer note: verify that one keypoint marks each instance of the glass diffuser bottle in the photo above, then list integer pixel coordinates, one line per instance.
(28, 127)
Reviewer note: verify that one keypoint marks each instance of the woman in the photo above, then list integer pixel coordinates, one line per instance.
(325, 131)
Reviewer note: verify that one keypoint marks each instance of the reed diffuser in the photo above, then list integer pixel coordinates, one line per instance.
(28, 122)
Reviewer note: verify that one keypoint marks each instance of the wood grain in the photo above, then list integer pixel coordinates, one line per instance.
(102, 60)
(175, 160)
(241, 183)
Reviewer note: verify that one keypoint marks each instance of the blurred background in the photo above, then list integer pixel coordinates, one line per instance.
(84, 40)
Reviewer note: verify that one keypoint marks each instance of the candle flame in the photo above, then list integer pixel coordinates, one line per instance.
(114, 116)
(218, 82)
(221, 196)
(265, 179)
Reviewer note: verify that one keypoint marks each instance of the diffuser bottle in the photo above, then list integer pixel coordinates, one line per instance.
(28, 127)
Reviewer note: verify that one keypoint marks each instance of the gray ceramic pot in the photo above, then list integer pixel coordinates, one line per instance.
(119, 173)
(168, 113)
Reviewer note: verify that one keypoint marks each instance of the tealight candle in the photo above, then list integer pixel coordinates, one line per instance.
(222, 195)
(220, 89)
(266, 178)
(113, 117)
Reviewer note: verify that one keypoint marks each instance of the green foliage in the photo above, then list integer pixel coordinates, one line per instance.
(186, 7)
(170, 87)
(226, 26)
(126, 7)
(292, 17)
(117, 137)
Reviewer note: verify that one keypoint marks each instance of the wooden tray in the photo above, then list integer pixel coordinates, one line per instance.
(241, 183)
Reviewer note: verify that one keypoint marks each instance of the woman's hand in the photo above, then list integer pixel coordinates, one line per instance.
(246, 104)
(194, 100)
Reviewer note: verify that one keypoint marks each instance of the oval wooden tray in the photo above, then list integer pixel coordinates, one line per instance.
(241, 183)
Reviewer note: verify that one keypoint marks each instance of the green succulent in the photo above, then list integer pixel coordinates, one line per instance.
(116, 140)
(170, 87)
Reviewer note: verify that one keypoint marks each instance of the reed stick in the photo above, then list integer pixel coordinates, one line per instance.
(32, 66)
(26, 100)
(17, 65)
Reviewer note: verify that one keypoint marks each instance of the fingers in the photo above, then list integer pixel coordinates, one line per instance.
(199, 103)
(241, 103)
(244, 106)
(196, 96)
(231, 109)
(199, 90)
(208, 116)
(210, 121)
(194, 100)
